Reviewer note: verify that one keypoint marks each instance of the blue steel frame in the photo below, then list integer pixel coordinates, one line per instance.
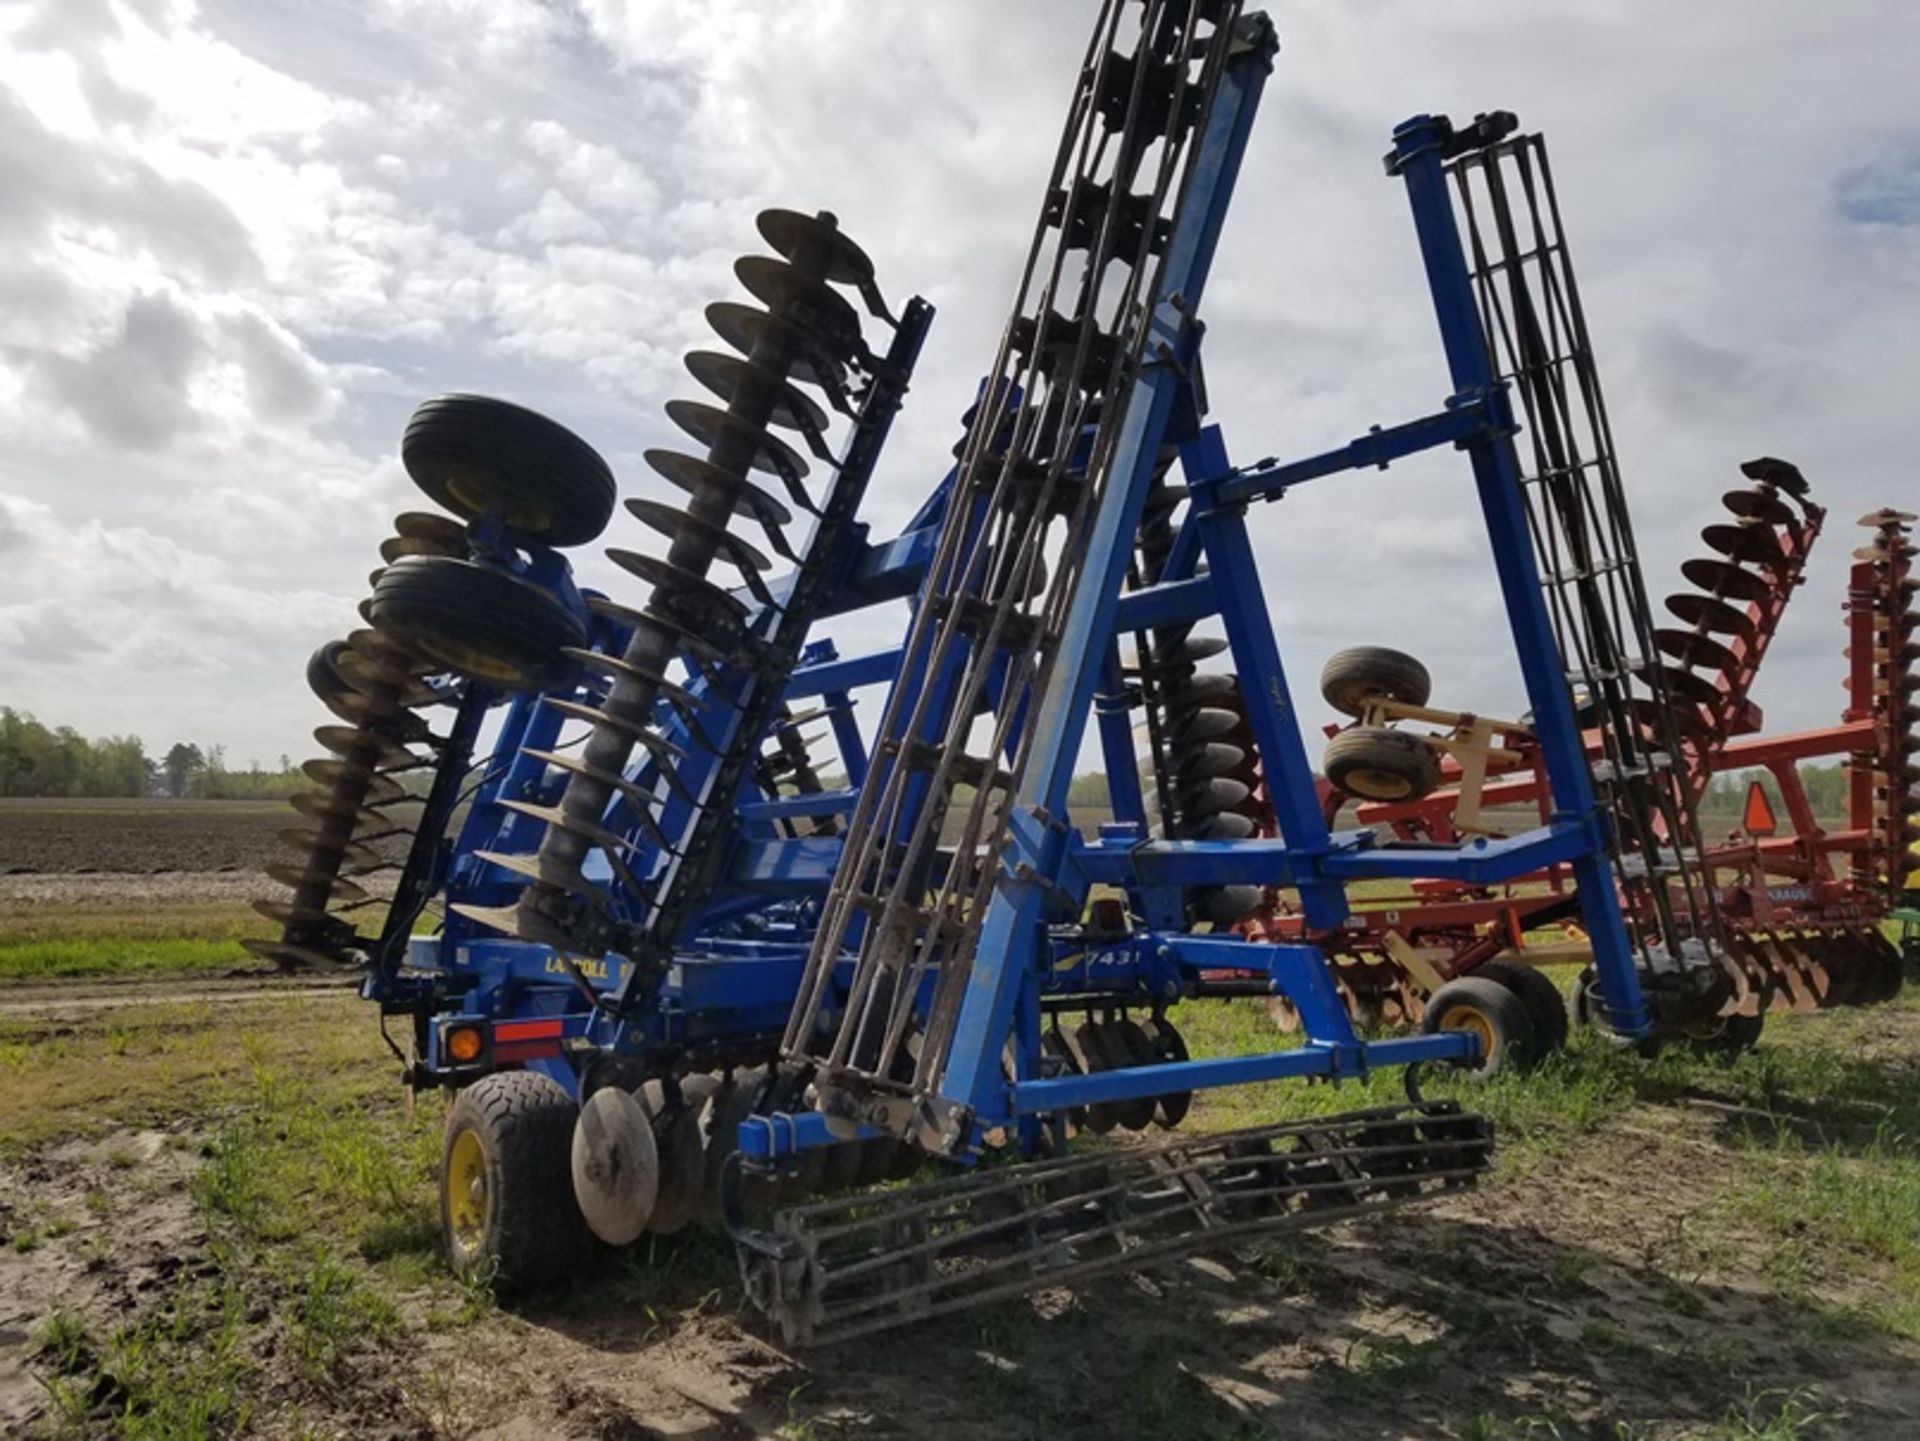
(745, 955)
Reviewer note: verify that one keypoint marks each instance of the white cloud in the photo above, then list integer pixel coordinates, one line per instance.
(243, 238)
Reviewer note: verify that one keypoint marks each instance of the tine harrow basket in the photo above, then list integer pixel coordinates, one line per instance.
(690, 935)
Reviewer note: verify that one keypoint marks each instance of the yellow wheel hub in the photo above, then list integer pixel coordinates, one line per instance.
(465, 1184)
(1378, 785)
(479, 495)
(469, 661)
(1468, 1018)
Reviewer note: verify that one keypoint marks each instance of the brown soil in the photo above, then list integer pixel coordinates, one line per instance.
(67, 837)
(1553, 1297)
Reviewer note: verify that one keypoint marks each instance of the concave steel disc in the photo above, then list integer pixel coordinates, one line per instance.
(1723, 578)
(1760, 505)
(788, 231)
(1692, 648)
(665, 576)
(671, 521)
(755, 388)
(805, 302)
(746, 327)
(703, 477)
(1710, 614)
(1694, 689)
(1755, 544)
(710, 426)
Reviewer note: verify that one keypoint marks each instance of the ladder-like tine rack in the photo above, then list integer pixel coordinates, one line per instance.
(1589, 562)
(991, 607)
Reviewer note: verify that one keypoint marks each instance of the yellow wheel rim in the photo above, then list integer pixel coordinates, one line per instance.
(466, 1192)
(479, 495)
(1378, 785)
(1467, 1018)
(469, 661)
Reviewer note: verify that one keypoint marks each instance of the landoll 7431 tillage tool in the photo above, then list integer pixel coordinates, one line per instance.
(688, 962)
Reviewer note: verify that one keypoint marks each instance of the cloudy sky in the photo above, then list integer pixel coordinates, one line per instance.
(241, 239)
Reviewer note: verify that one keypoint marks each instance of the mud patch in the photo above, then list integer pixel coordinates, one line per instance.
(99, 1231)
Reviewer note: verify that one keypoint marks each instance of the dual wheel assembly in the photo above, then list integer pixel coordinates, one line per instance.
(1520, 1017)
(1516, 1013)
(529, 1178)
(537, 485)
(1376, 762)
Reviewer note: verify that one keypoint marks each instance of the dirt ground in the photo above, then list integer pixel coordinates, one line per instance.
(138, 837)
(232, 1234)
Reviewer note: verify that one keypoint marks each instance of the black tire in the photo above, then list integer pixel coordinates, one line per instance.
(1353, 675)
(473, 455)
(528, 1232)
(478, 621)
(1379, 764)
(1496, 1014)
(1546, 1007)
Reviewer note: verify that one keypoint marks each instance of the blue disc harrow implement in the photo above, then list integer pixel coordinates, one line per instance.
(685, 940)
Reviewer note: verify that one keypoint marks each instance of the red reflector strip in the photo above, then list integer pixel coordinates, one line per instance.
(507, 1032)
(526, 1051)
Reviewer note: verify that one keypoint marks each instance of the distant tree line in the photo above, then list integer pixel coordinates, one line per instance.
(1826, 788)
(36, 760)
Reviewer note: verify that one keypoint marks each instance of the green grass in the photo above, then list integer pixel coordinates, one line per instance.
(43, 943)
(189, 1062)
(317, 1198)
(316, 1192)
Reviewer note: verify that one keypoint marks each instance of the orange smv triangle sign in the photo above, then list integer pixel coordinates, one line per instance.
(1758, 818)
